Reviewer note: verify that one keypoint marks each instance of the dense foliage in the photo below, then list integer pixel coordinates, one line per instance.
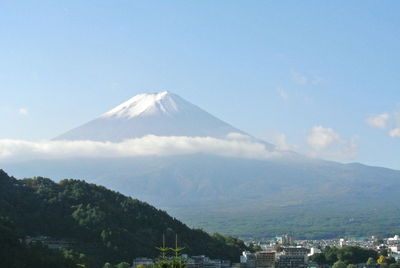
(346, 255)
(351, 256)
(105, 226)
(15, 253)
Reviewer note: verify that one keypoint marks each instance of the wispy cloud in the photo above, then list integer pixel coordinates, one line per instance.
(321, 137)
(282, 94)
(304, 79)
(327, 143)
(299, 78)
(378, 121)
(23, 111)
(395, 133)
(389, 122)
(316, 79)
(281, 142)
(149, 145)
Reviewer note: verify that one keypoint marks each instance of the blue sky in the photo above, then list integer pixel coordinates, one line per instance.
(319, 77)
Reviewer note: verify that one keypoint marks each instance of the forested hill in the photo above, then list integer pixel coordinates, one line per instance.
(104, 225)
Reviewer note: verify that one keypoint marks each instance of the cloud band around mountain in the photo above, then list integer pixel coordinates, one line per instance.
(12, 150)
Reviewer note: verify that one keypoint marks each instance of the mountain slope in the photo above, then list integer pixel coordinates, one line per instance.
(161, 114)
(249, 197)
(105, 225)
(251, 192)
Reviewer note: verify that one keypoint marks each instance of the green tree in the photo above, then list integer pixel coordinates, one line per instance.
(331, 255)
(107, 265)
(122, 265)
(354, 255)
(371, 261)
(319, 258)
(78, 258)
(351, 265)
(339, 264)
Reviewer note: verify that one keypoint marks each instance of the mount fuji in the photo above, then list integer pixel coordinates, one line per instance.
(310, 198)
(160, 114)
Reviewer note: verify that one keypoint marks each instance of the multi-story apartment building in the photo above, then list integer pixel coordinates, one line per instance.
(292, 257)
(265, 259)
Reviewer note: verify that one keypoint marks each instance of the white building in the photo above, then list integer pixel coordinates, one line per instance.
(395, 249)
(314, 251)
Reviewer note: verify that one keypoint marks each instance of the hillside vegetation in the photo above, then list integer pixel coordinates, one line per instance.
(103, 225)
(308, 198)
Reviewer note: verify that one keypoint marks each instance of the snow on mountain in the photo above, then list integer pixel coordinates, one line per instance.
(146, 104)
(160, 114)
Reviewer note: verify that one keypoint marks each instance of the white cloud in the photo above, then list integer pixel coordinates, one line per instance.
(326, 143)
(378, 121)
(321, 137)
(149, 145)
(309, 78)
(299, 78)
(237, 136)
(395, 133)
(23, 111)
(390, 122)
(283, 94)
(281, 143)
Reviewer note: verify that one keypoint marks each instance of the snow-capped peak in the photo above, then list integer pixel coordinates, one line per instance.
(145, 104)
(159, 114)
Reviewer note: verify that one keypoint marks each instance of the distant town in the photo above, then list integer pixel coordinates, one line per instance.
(286, 252)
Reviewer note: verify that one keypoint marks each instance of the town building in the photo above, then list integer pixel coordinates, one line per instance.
(284, 239)
(248, 259)
(202, 261)
(265, 259)
(142, 261)
(292, 257)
